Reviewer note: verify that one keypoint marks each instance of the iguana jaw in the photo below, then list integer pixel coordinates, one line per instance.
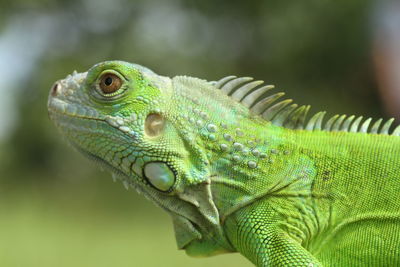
(185, 230)
(189, 224)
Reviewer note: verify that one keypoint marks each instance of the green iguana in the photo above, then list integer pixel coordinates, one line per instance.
(237, 170)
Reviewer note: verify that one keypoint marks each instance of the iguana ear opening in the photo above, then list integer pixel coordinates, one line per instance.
(154, 125)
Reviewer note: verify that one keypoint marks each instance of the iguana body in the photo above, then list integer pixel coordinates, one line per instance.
(238, 172)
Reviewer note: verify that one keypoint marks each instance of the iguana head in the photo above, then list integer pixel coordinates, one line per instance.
(128, 119)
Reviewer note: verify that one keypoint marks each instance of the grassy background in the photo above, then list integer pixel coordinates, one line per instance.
(70, 226)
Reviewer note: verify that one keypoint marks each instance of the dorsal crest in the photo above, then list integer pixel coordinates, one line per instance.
(256, 96)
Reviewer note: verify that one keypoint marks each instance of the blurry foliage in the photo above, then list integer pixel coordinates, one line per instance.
(318, 51)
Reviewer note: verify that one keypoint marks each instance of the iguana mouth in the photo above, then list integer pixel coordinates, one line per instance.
(63, 108)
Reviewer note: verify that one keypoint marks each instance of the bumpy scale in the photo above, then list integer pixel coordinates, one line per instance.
(237, 170)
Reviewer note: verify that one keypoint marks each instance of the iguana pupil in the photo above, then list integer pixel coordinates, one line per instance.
(108, 81)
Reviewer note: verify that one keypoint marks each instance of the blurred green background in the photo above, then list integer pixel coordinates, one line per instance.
(56, 208)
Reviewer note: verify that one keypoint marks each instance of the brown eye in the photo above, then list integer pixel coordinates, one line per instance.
(110, 83)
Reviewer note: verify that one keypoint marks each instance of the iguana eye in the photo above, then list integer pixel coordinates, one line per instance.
(110, 83)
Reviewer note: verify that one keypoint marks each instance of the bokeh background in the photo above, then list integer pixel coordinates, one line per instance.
(58, 209)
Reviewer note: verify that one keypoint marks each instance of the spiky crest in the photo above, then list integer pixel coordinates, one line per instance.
(289, 115)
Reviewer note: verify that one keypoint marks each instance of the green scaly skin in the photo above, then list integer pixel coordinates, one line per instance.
(280, 191)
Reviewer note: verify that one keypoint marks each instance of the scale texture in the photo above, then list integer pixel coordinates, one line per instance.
(239, 170)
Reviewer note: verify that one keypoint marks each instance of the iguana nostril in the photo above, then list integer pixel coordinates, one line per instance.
(55, 90)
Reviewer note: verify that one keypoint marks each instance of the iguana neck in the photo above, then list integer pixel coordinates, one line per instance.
(249, 158)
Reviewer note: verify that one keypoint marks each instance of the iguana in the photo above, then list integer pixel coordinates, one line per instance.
(238, 170)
